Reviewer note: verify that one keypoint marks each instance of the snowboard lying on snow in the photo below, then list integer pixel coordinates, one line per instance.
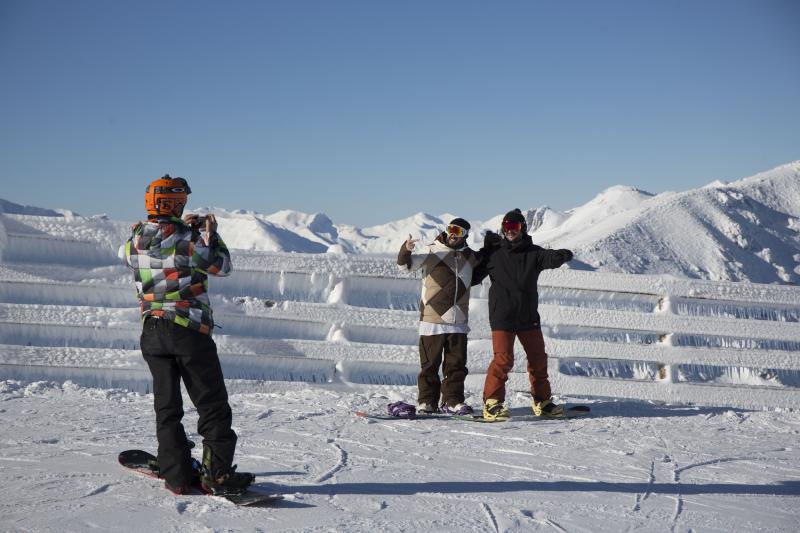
(146, 463)
(573, 411)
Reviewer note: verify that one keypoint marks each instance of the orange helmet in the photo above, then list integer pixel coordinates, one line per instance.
(166, 196)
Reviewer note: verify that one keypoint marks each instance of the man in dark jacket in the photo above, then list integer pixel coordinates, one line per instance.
(513, 263)
(171, 260)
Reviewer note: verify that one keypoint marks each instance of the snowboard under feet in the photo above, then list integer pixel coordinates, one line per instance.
(574, 411)
(146, 463)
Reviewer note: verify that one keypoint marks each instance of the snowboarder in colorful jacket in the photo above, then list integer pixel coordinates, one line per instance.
(513, 263)
(447, 266)
(171, 259)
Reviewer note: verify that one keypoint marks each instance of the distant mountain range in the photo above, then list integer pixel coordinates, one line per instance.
(744, 230)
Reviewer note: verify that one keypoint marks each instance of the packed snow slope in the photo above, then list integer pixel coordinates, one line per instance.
(746, 230)
(631, 466)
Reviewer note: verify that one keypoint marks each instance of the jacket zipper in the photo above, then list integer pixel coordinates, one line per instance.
(455, 292)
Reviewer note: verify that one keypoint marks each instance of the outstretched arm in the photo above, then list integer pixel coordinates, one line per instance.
(409, 260)
(554, 258)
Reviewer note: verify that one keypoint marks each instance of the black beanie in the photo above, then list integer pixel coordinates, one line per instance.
(515, 215)
(461, 223)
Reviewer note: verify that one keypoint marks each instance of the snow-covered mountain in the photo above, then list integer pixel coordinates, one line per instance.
(745, 230)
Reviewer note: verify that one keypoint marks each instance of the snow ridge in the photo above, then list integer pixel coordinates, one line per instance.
(746, 230)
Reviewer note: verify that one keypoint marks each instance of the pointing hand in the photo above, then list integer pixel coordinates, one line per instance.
(410, 243)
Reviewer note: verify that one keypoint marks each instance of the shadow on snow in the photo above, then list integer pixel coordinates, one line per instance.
(640, 409)
(784, 488)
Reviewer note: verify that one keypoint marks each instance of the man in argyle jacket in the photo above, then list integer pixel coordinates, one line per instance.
(447, 266)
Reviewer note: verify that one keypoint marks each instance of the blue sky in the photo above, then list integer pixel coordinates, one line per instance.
(371, 111)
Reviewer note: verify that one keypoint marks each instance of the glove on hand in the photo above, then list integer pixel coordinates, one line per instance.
(565, 255)
(491, 239)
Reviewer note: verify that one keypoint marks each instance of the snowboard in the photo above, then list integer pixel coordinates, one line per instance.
(574, 411)
(418, 416)
(146, 463)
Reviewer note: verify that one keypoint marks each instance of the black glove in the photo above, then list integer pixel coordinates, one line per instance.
(491, 239)
(565, 255)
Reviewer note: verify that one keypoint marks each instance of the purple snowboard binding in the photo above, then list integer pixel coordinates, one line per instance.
(402, 410)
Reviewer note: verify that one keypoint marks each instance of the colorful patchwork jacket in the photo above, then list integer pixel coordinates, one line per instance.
(171, 262)
(446, 282)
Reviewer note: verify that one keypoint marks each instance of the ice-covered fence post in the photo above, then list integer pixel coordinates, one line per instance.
(3, 238)
(668, 373)
(337, 290)
(664, 305)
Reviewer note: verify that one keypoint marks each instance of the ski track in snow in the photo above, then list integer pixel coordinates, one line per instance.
(650, 481)
(490, 517)
(340, 464)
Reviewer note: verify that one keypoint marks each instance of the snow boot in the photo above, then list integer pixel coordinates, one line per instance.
(425, 408)
(178, 490)
(495, 410)
(222, 480)
(460, 409)
(547, 409)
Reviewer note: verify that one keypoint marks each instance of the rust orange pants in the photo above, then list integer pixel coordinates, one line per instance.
(503, 346)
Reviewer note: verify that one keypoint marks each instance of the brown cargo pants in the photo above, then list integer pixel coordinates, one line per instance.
(503, 346)
(433, 349)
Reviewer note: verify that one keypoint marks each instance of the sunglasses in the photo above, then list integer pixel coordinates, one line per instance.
(456, 231)
(510, 225)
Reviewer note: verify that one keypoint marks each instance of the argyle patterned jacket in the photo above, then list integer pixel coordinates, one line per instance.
(171, 262)
(447, 277)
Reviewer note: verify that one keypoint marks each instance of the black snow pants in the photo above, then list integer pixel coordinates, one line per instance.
(174, 352)
(433, 350)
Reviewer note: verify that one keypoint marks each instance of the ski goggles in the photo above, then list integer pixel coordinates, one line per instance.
(172, 190)
(456, 231)
(512, 225)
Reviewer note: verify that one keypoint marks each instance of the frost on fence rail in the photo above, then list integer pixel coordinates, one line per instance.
(695, 373)
(611, 335)
(43, 248)
(319, 287)
(235, 367)
(594, 299)
(647, 338)
(739, 310)
(64, 293)
(737, 343)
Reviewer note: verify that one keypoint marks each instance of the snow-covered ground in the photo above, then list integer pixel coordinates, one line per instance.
(693, 386)
(632, 466)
